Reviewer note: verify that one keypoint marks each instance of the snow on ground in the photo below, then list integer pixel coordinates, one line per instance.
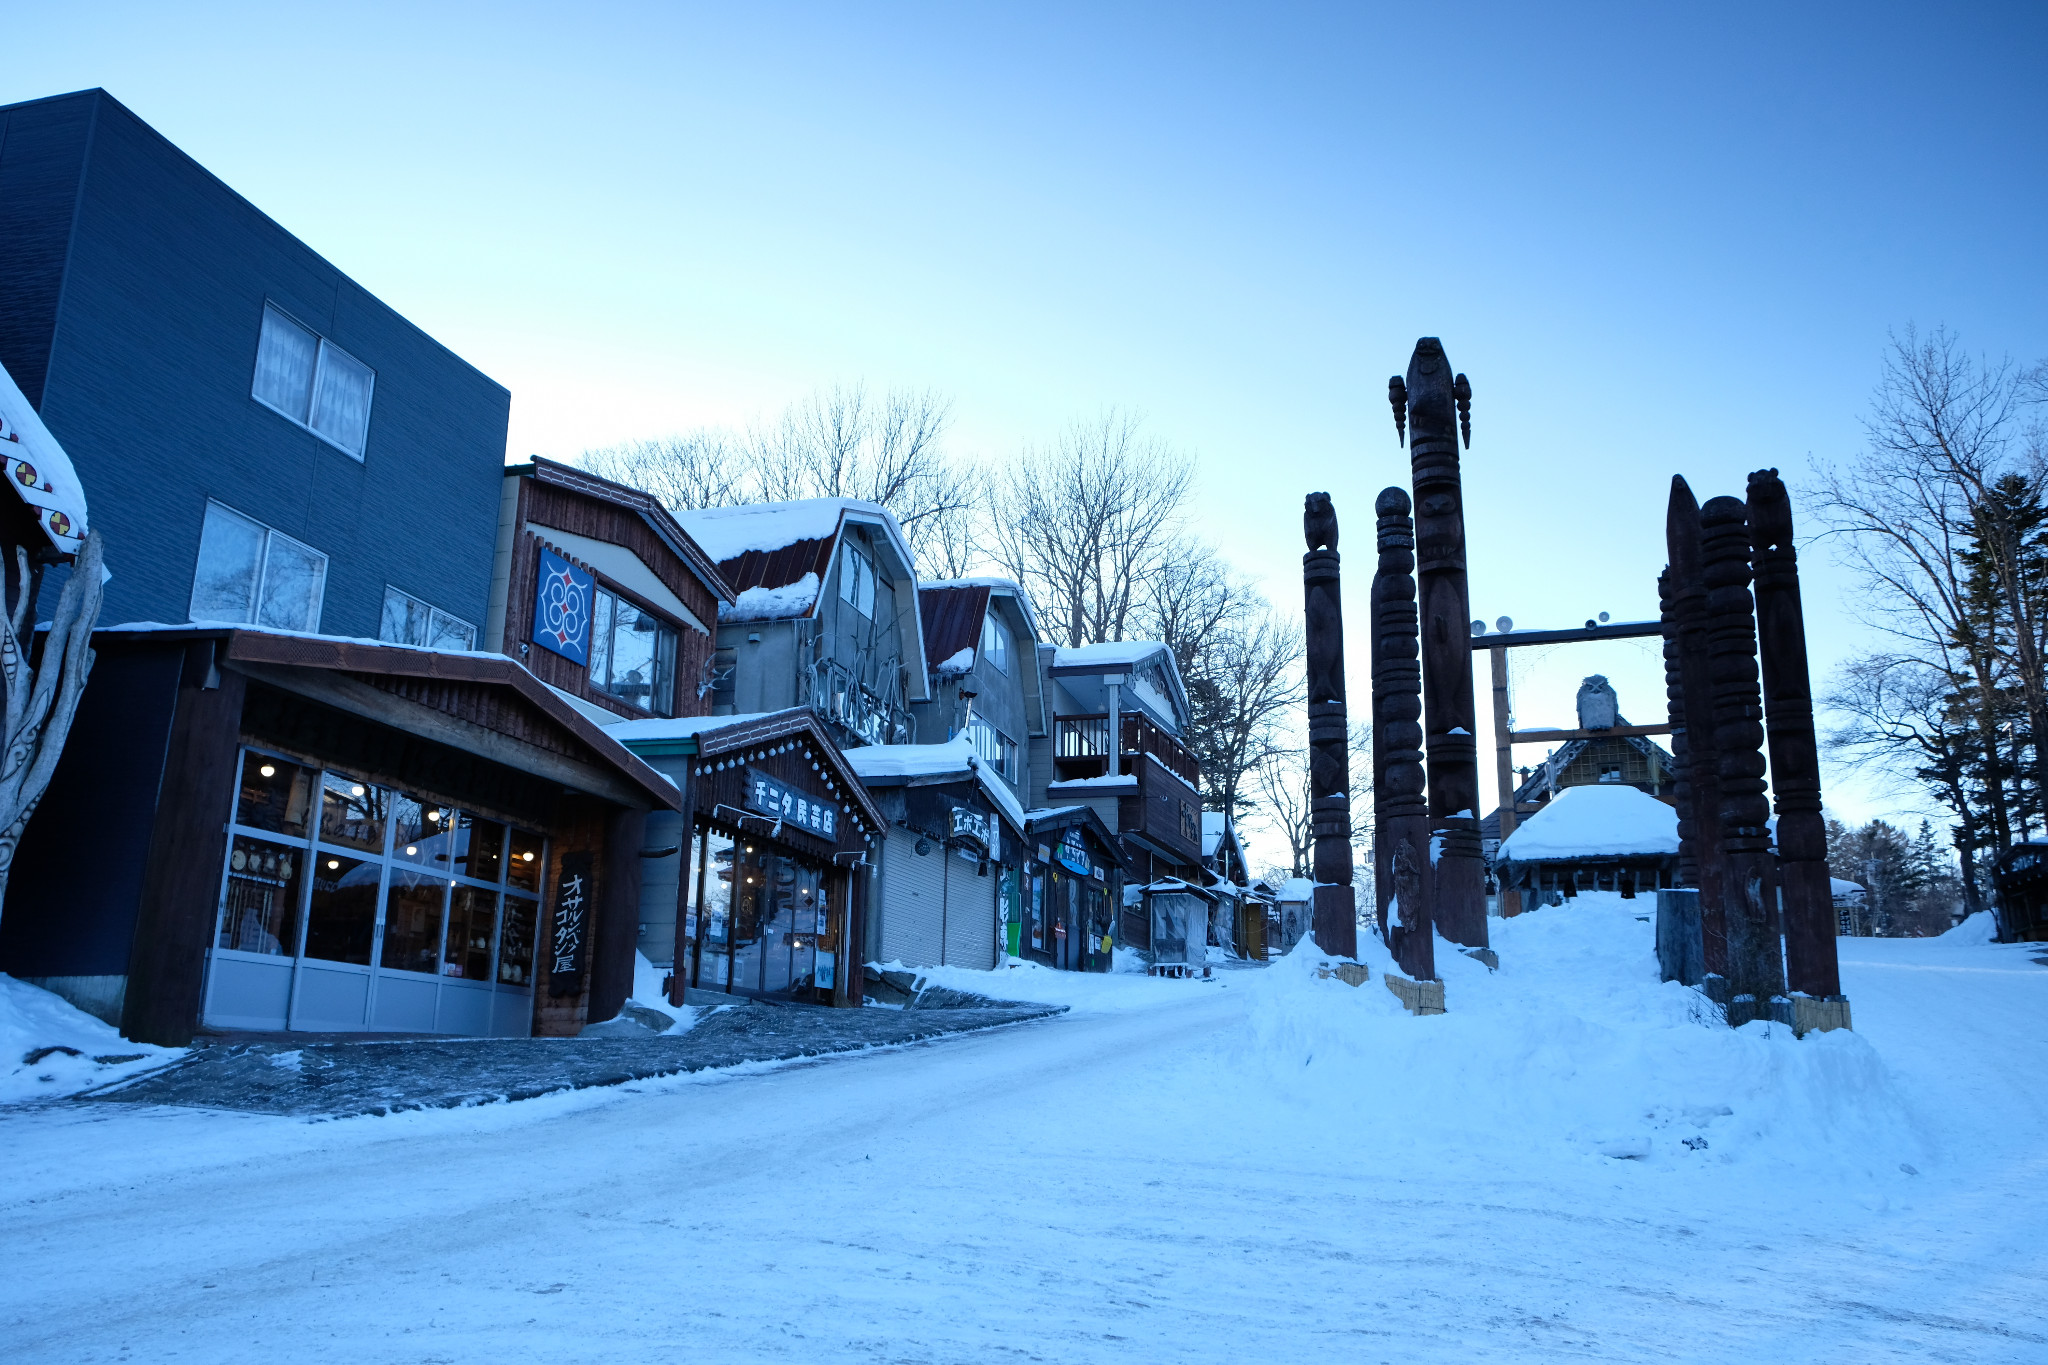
(1268, 1166)
(72, 1051)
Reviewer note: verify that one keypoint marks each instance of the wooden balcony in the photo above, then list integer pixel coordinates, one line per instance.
(1080, 748)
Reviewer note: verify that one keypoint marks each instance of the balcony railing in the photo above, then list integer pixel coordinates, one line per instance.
(1081, 747)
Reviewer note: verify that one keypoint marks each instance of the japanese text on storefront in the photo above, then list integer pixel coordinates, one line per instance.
(784, 802)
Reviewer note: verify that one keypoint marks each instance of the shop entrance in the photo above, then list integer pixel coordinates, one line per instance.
(763, 920)
(346, 906)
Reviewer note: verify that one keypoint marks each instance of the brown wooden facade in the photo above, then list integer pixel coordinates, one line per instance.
(118, 884)
(557, 506)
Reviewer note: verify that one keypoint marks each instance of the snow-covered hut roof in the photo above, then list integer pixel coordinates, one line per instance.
(1603, 821)
(1295, 889)
(39, 471)
(1841, 890)
(895, 764)
(1111, 657)
(740, 738)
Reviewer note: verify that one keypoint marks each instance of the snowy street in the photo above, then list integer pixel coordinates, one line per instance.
(1261, 1168)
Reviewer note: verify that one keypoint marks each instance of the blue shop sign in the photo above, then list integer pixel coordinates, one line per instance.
(784, 802)
(1074, 854)
(561, 608)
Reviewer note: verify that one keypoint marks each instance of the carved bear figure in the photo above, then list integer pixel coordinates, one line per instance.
(1319, 522)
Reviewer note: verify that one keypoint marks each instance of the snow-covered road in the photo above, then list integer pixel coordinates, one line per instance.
(1268, 1168)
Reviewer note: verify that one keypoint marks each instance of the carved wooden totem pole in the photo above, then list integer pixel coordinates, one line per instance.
(1400, 809)
(1692, 718)
(1748, 870)
(1809, 909)
(1435, 404)
(1329, 778)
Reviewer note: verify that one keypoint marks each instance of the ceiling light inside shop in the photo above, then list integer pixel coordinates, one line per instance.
(356, 790)
(412, 850)
(333, 863)
(267, 770)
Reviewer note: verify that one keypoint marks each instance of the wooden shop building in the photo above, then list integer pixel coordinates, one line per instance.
(253, 829)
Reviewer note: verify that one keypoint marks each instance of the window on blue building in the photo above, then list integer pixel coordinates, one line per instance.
(409, 621)
(314, 382)
(250, 573)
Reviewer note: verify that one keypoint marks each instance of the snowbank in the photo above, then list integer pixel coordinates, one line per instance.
(771, 604)
(1115, 992)
(1594, 822)
(72, 1050)
(1575, 1052)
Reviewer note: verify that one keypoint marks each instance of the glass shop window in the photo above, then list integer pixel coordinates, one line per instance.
(352, 813)
(412, 921)
(312, 381)
(407, 620)
(277, 795)
(262, 910)
(515, 948)
(856, 579)
(523, 861)
(250, 573)
(632, 653)
(485, 860)
(472, 920)
(341, 918)
(428, 832)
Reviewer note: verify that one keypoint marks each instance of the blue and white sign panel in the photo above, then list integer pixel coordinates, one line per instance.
(561, 608)
(786, 803)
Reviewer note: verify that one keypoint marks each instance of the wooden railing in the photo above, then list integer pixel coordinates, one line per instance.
(1081, 747)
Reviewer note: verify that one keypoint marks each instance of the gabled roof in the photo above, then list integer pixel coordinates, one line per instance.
(1120, 656)
(773, 545)
(1564, 757)
(1606, 821)
(952, 616)
(895, 765)
(645, 505)
(1046, 819)
(712, 737)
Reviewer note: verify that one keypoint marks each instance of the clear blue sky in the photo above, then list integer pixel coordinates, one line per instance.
(1658, 238)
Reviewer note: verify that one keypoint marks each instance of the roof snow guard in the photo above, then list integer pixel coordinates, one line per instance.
(39, 471)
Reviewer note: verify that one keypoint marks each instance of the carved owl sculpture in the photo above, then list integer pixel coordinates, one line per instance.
(1598, 706)
(1319, 522)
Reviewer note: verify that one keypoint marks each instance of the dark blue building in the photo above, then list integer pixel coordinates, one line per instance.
(261, 440)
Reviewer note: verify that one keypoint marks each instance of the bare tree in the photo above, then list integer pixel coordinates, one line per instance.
(42, 700)
(1910, 511)
(705, 468)
(846, 443)
(1084, 524)
(1282, 781)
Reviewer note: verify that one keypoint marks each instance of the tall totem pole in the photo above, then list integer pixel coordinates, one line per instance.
(1329, 778)
(1809, 909)
(1435, 404)
(1401, 870)
(1683, 589)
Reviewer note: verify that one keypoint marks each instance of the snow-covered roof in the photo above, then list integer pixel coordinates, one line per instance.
(1009, 587)
(772, 604)
(959, 661)
(1048, 812)
(1111, 654)
(676, 727)
(956, 757)
(38, 470)
(729, 532)
(1214, 824)
(1844, 890)
(1605, 820)
(1295, 889)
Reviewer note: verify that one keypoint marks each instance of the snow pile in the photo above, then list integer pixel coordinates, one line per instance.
(1574, 1051)
(880, 762)
(1594, 822)
(772, 604)
(1127, 988)
(1108, 656)
(72, 1051)
(958, 662)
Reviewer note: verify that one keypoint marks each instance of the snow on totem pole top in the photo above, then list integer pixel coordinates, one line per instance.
(38, 470)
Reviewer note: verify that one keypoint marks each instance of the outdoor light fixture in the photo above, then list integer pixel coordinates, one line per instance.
(356, 790)
(412, 850)
(526, 857)
(267, 770)
(434, 815)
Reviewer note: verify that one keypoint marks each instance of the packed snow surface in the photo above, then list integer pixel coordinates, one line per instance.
(1594, 821)
(1263, 1166)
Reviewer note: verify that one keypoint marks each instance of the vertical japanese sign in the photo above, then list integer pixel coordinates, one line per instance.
(567, 949)
(562, 599)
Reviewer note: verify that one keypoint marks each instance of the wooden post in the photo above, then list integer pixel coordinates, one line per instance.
(1435, 399)
(1747, 871)
(1504, 767)
(1809, 913)
(1329, 778)
(1403, 886)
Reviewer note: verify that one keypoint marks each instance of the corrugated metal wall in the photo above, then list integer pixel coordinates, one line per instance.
(970, 913)
(913, 899)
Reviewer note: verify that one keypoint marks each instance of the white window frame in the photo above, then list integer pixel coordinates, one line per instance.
(270, 534)
(435, 616)
(313, 390)
(856, 571)
(995, 746)
(994, 628)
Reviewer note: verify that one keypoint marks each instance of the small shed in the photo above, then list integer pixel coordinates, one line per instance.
(1592, 838)
(2020, 877)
